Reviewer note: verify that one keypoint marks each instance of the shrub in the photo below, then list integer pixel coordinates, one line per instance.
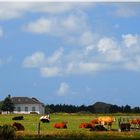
(18, 126)
(7, 132)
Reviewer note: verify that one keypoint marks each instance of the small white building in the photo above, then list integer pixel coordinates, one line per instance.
(26, 105)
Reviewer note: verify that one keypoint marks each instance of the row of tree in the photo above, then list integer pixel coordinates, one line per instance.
(91, 109)
(98, 107)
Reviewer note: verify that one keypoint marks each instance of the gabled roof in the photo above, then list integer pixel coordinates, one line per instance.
(25, 100)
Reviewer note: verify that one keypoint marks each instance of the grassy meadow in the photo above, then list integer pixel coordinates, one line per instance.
(47, 132)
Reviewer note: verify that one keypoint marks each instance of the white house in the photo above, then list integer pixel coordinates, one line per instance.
(26, 105)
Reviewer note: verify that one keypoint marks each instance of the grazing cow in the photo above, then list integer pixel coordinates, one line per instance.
(98, 128)
(45, 118)
(135, 122)
(85, 125)
(18, 126)
(17, 118)
(60, 125)
(125, 126)
(95, 121)
(106, 120)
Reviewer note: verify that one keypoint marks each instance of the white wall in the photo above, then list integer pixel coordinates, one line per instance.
(38, 108)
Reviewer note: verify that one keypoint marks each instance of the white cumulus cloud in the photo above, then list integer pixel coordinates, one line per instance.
(63, 89)
(35, 60)
(106, 44)
(11, 10)
(58, 26)
(50, 71)
(130, 40)
(90, 67)
(56, 56)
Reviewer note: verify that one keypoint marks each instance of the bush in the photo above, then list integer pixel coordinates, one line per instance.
(18, 126)
(7, 132)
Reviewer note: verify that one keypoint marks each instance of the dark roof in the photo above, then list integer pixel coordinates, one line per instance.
(25, 100)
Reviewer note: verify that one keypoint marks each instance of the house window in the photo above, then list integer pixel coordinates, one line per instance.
(18, 109)
(33, 108)
(26, 109)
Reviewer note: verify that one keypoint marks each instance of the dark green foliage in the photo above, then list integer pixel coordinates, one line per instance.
(127, 109)
(7, 104)
(98, 107)
(7, 132)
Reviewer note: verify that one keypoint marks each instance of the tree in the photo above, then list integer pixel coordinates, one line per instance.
(114, 109)
(7, 104)
(127, 109)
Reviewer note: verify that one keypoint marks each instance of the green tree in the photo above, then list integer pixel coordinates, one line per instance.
(7, 104)
(127, 109)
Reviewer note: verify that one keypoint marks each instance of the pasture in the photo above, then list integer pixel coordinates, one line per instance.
(48, 132)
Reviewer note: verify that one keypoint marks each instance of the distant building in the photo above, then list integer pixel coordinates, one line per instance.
(26, 105)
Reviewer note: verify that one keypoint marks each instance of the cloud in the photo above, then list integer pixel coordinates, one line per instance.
(41, 26)
(130, 40)
(63, 89)
(127, 10)
(87, 38)
(50, 71)
(133, 64)
(1, 32)
(106, 44)
(58, 26)
(35, 60)
(56, 56)
(11, 10)
(105, 54)
(90, 67)
(114, 56)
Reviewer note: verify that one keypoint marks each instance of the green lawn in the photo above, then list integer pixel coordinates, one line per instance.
(73, 131)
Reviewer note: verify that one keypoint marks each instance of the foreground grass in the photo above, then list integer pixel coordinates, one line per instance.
(47, 132)
(87, 136)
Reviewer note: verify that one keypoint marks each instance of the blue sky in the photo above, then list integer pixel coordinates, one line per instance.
(70, 53)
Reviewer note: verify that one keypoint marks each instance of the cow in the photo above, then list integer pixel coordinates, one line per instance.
(106, 120)
(86, 125)
(135, 122)
(45, 118)
(98, 127)
(18, 118)
(60, 125)
(95, 121)
(125, 126)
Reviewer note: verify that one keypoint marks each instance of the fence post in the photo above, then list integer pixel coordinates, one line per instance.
(38, 129)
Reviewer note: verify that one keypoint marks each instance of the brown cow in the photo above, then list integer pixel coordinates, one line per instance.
(135, 122)
(106, 120)
(86, 125)
(95, 121)
(60, 125)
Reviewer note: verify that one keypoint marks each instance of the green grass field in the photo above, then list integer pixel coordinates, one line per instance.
(47, 132)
